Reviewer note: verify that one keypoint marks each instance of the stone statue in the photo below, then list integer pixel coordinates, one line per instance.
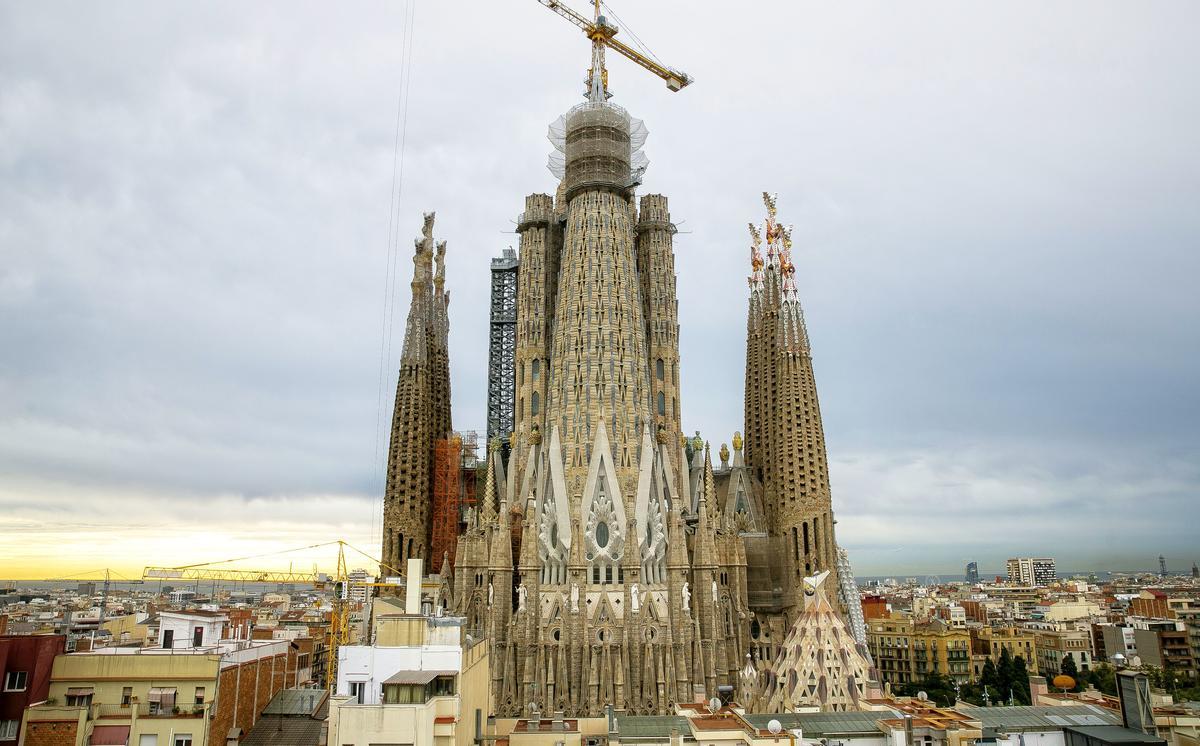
(634, 601)
(716, 593)
(491, 594)
(686, 594)
(522, 595)
(575, 598)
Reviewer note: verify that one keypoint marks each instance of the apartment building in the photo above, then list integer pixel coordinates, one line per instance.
(1032, 571)
(906, 651)
(25, 663)
(1055, 645)
(421, 681)
(188, 690)
(990, 642)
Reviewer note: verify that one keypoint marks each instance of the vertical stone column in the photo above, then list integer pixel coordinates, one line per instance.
(656, 269)
(540, 241)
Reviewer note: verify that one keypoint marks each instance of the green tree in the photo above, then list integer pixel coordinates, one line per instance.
(1068, 668)
(988, 677)
(1103, 677)
(1020, 681)
(1004, 671)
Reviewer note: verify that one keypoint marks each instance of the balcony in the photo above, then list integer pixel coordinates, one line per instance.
(132, 711)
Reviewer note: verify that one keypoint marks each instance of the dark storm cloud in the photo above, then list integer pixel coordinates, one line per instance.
(997, 246)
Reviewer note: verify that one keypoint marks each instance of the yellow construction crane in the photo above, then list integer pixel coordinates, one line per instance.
(601, 32)
(339, 628)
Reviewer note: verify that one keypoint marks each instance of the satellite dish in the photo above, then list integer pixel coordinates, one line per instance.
(922, 696)
(775, 727)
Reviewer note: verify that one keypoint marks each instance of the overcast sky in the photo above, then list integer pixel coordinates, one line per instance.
(997, 224)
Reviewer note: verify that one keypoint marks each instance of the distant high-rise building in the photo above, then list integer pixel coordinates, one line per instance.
(1195, 570)
(972, 572)
(1162, 566)
(1032, 570)
(357, 589)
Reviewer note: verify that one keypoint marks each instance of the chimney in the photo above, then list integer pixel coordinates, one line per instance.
(412, 587)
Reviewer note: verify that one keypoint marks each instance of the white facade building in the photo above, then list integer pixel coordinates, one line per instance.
(179, 630)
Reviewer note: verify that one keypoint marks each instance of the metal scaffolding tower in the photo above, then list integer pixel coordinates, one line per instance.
(502, 346)
(848, 591)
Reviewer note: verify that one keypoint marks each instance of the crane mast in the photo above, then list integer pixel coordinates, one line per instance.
(602, 33)
(339, 618)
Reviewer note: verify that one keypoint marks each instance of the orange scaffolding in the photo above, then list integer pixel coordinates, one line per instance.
(447, 466)
(456, 466)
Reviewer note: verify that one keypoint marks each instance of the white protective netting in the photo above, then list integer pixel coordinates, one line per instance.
(597, 144)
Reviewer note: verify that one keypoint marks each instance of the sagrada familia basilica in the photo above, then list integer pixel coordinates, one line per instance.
(611, 559)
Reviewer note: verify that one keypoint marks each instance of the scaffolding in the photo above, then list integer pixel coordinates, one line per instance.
(447, 458)
(455, 476)
(597, 146)
(502, 347)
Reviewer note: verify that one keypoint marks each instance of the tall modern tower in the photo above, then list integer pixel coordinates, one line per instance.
(422, 410)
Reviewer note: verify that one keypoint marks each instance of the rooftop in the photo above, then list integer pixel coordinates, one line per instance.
(1030, 717)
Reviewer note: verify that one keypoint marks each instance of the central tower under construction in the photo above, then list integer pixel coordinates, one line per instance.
(609, 562)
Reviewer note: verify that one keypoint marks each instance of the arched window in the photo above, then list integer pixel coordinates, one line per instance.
(534, 402)
(537, 369)
(662, 403)
(659, 369)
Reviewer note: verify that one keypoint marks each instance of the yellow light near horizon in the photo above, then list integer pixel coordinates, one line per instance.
(71, 554)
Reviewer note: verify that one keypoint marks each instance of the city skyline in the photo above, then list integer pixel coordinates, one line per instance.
(993, 255)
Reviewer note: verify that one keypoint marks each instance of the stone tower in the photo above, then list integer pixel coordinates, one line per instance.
(627, 588)
(610, 562)
(422, 410)
(785, 441)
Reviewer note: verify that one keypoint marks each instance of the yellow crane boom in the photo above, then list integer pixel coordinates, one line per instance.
(601, 32)
(339, 627)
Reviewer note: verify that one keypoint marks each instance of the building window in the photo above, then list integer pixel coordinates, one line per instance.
(537, 369)
(534, 403)
(126, 696)
(161, 700)
(8, 729)
(183, 739)
(16, 681)
(79, 698)
(658, 369)
(662, 404)
(404, 694)
(199, 695)
(358, 690)
(442, 686)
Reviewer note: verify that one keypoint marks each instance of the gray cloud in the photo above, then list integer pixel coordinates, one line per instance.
(994, 206)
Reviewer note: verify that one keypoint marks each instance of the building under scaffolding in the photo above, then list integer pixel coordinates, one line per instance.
(502, 346)
(455, 475)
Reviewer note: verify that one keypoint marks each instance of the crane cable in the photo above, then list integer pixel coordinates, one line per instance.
(636, 40)
(254, 556)
(387, 312)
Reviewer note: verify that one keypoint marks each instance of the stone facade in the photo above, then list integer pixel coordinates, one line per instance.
(631, 582)
(785, 441)
(422, 410)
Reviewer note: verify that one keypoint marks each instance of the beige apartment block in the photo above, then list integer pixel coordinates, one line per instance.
(157, 696)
